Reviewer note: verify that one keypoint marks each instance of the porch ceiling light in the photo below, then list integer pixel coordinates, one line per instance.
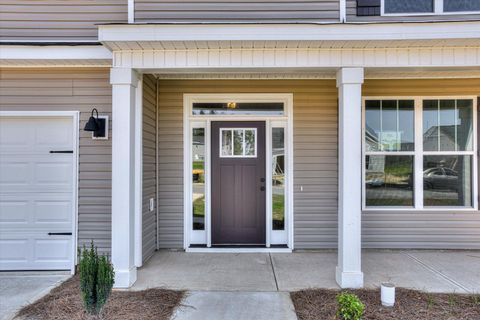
(96, 125)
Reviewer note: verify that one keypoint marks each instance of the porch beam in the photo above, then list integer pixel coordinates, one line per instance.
(349, 268)
(124, 82)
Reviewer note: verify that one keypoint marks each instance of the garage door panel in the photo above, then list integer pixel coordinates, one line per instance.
(36, 192)
(35, 135)
(36, 211)
(35, 252)
(41, 173)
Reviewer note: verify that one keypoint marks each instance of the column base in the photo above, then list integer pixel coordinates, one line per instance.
(125, 278)
(350, 280)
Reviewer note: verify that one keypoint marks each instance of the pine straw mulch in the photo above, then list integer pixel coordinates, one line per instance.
(409, 305)
(65, 303)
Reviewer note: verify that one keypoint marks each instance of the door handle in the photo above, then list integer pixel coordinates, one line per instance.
(61, 151)
(262, 179)
(59, 233)
(262, 188)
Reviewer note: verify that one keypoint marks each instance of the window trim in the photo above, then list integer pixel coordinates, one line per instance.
(418, 154)
(437, 11)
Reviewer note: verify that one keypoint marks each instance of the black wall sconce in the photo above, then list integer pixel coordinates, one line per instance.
(97, 125)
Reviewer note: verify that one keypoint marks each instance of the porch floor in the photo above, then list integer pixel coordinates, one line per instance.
(427, 270)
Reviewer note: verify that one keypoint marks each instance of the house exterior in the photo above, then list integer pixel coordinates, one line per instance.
(237, 126)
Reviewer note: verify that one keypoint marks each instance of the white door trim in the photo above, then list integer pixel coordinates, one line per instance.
(195, 121)
(75, 125)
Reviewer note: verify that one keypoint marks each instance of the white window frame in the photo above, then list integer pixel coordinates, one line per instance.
(419, 153)
(285, 120)
(243, 155)
(437, 10)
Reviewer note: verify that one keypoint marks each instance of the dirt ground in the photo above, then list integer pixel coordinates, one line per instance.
(65, 303)
(410, 305)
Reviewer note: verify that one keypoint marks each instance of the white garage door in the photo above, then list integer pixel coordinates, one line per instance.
(37, 181)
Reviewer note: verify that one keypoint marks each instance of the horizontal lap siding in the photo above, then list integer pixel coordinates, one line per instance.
(149, 218)
(66, 20)
(73, 90)
(315, 155)
(352, 16)
(236, 11)
(413, 229)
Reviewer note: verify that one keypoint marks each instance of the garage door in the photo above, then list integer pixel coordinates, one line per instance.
(37, 181)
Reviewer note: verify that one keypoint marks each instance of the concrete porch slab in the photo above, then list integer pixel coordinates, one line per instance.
(428, 270)
(215, 305)
(207, 271)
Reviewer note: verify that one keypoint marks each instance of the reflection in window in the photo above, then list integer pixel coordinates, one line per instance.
(278, 178)
(461, 5)
(447, 180)
(408, 6)
(198, 176)
(389, 180)
(238, 143)
(238, 108)
(389, 125)
(448, 125)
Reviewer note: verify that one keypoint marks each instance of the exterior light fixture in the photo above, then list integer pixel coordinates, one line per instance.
(97, 125)
(231, 105)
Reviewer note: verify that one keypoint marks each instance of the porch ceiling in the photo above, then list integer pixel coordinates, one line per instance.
(288, 36)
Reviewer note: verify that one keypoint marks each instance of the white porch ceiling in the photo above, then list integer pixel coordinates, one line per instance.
(288, 36)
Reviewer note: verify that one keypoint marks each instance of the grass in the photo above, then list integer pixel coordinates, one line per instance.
(410, 305)
(65, 302)
(278, 209)
(199, 207)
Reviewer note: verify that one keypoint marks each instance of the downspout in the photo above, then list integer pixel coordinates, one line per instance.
(343, 11)
(156, 163)
(131, 11)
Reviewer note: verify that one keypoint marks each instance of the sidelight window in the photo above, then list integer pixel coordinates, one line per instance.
(419, 153)
(429, 7)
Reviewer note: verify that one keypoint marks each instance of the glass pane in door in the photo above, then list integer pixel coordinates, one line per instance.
(278, 178)
(198, 176)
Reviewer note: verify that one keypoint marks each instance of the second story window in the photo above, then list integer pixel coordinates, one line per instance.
(461, 5)
(429, 7)
(408, 6)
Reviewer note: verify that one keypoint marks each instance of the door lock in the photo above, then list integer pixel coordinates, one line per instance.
(262, 188)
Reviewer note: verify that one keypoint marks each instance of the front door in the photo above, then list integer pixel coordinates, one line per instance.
(238, 183)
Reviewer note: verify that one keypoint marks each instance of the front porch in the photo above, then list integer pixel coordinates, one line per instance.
(426, 270)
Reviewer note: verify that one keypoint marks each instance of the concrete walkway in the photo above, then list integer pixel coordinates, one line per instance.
(18, 289)
(256, 286)
(433, 271)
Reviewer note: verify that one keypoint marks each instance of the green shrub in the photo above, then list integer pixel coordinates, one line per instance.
(349, 307)
(96, 278)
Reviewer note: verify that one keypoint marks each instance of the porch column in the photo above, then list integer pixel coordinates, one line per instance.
(124, 82)
(349, 268)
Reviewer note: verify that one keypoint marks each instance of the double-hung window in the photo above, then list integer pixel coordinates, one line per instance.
(419, 153)
(420, 7)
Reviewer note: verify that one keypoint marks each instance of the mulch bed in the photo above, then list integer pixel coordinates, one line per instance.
(409, 305)
(65, 303)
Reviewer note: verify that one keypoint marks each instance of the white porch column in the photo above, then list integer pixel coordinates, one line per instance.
(124, 82)
(349, 269)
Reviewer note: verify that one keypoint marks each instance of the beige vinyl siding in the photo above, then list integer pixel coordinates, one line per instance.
(417, 229)
(58, 20)
(72, 90)
(315, 154)
(237, 11)
(149, 218)
(352, 16)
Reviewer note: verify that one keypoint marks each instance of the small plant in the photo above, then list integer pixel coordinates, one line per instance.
(349, 307)
(430, 301)
(452, 301)
(96, 278)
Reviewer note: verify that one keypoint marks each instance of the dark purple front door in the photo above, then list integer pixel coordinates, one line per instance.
(238, 182)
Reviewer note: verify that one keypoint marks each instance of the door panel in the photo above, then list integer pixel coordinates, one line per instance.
(238, 186)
